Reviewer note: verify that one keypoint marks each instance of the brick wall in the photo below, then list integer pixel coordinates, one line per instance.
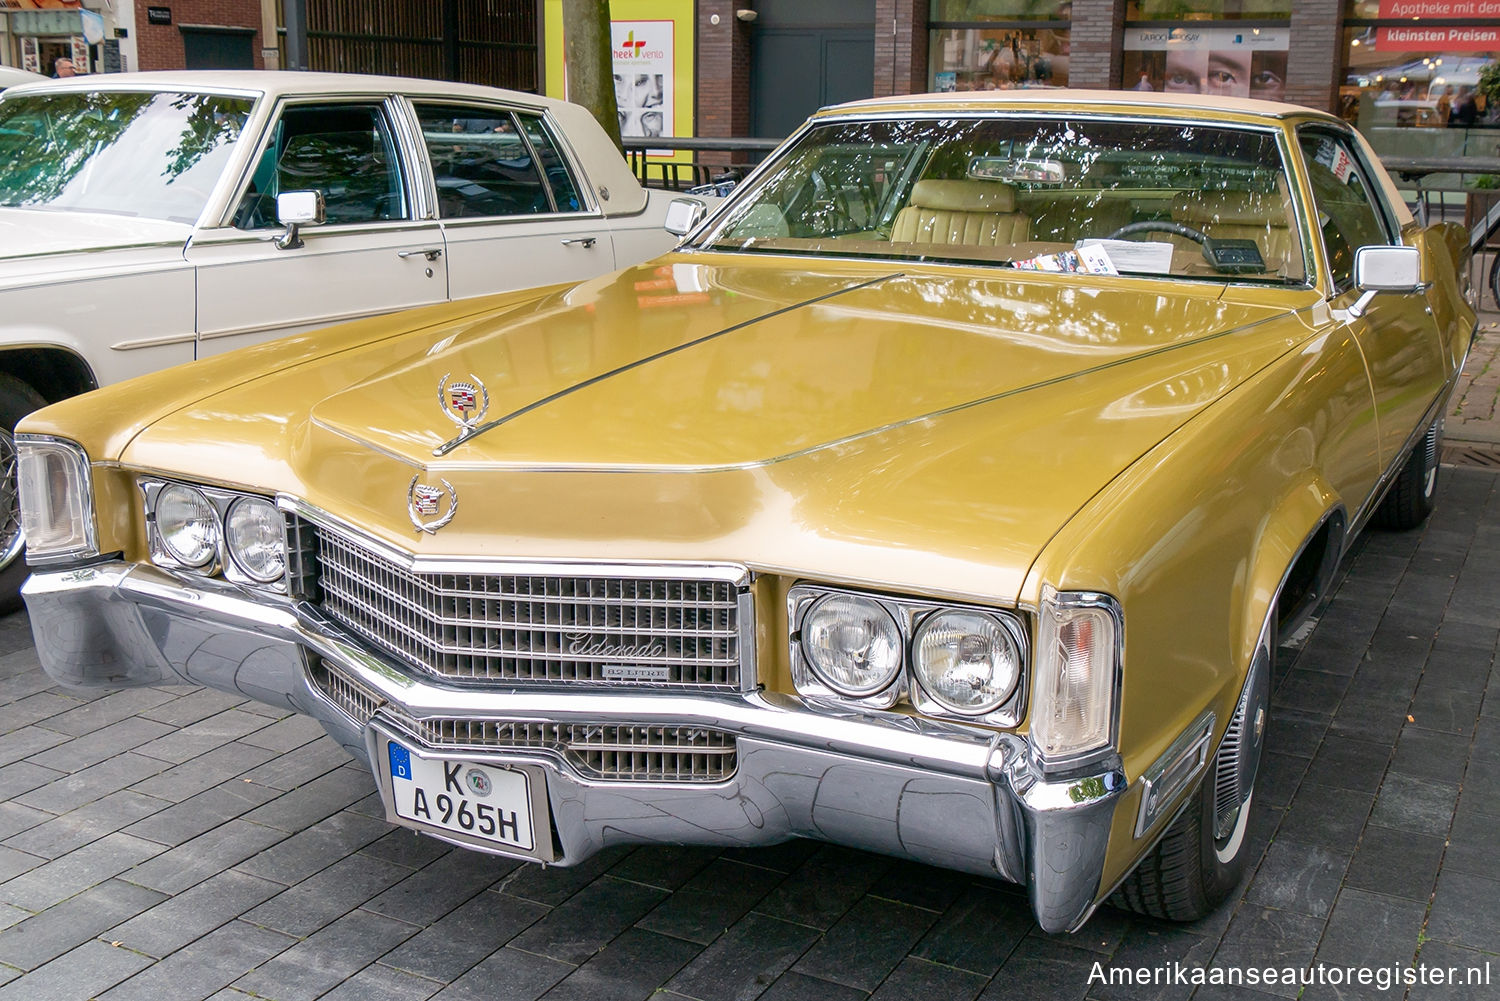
(1315, 57)
(159, 46)
(901, 43)
(1094, 58)
(723, 74)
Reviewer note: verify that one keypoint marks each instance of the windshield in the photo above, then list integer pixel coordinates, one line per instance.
(1032, 193)
(154, 156)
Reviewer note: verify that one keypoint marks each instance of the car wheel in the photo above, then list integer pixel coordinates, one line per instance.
(17, 399)
(1411, 497)
(1201, 858)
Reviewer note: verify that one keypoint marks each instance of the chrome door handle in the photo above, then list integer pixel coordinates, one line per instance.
(431, 253)
(587, 241)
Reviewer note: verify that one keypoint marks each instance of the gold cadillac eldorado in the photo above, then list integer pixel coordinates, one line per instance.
(944, 494)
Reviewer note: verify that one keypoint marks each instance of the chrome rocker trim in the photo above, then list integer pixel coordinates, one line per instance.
(940, 793)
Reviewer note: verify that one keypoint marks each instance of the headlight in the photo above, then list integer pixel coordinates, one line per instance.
(255, 535)
(1077, 659)
(966, 661)
(187, 525)
(57, 504)
(852, 644)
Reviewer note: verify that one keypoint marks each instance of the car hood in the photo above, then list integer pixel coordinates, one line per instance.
(817, 418)
(34, 232)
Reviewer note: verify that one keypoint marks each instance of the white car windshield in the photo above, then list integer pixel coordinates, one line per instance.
(1036, 193)
(148, 155)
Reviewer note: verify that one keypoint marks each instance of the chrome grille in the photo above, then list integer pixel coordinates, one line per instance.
(526, 628)
(354, 699)
(618, 752)
(301, 557)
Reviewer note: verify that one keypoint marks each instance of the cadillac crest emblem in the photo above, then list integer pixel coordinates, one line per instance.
(425, 502)
(464, 403)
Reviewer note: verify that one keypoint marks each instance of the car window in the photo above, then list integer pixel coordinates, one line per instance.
(1031, 193)
(1348, 210)
(481, 162)
(154, 156)
(559, 179)
(343, 150)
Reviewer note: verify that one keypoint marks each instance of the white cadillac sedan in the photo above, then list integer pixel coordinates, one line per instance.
(10, 77)
(152, 219)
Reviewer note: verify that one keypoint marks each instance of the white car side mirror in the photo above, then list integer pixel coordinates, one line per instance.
(683, 214)
(295, 209)
(1385, 269)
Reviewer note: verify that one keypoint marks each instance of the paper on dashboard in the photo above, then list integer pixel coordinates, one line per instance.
(1129, 255)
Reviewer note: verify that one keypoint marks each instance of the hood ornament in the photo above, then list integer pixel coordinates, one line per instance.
(424, 502)
(464, 403)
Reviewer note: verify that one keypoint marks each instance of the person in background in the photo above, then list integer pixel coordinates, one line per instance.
(1144, 83)
(62, 67)
(1464, 110)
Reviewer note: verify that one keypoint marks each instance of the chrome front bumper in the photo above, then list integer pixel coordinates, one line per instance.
(943, 794)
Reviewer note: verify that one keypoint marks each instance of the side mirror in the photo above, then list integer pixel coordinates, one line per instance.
(683, 215)
(295, 209)
(1385, 269)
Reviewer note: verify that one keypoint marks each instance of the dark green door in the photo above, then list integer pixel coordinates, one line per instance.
(218, 48)
(807, 55)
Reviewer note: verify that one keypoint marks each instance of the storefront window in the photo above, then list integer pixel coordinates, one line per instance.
(1405, 80)
(1224, 61)
(969, 11)
(1214, 10)
(998, 58)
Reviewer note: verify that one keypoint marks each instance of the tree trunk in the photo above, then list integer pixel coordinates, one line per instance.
(588, 61)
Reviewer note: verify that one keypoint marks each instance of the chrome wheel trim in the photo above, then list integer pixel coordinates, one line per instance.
(12, 541)
(1230, 847)
(1430, 459)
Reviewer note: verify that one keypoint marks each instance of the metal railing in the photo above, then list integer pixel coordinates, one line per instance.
(679, 175)
(1458, 189)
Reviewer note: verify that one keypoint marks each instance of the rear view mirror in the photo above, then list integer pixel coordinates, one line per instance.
(999, 168)
(683, 214)
(1385, 269)
(294, 209)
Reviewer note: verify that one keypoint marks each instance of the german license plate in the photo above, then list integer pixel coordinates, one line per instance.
(482, 801)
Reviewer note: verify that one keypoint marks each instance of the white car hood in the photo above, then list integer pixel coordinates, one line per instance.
(31, 232)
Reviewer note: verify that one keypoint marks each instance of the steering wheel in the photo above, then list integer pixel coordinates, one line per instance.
(1159, 226)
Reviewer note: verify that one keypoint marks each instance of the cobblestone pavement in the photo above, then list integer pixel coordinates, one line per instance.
(174, 844)
(1474, 413)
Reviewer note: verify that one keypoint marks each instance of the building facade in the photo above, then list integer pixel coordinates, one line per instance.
(1398, 69)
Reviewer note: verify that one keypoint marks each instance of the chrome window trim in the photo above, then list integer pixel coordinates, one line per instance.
(908, 613)
(591, 208)
(393, 115)
(755, 180)
(90, 547)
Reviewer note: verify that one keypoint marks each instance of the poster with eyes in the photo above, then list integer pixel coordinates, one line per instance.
(1226, 62)
(643, 61)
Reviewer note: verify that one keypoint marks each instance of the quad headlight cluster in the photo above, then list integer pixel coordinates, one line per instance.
(873, 650)
(212, 531)
(968, 663)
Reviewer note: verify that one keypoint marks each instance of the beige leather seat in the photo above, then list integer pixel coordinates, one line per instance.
(1242, 215)
(961, 213)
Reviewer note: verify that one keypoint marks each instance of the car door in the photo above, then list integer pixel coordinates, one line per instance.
(513, 211)
(378, 250)
(1397, 333)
